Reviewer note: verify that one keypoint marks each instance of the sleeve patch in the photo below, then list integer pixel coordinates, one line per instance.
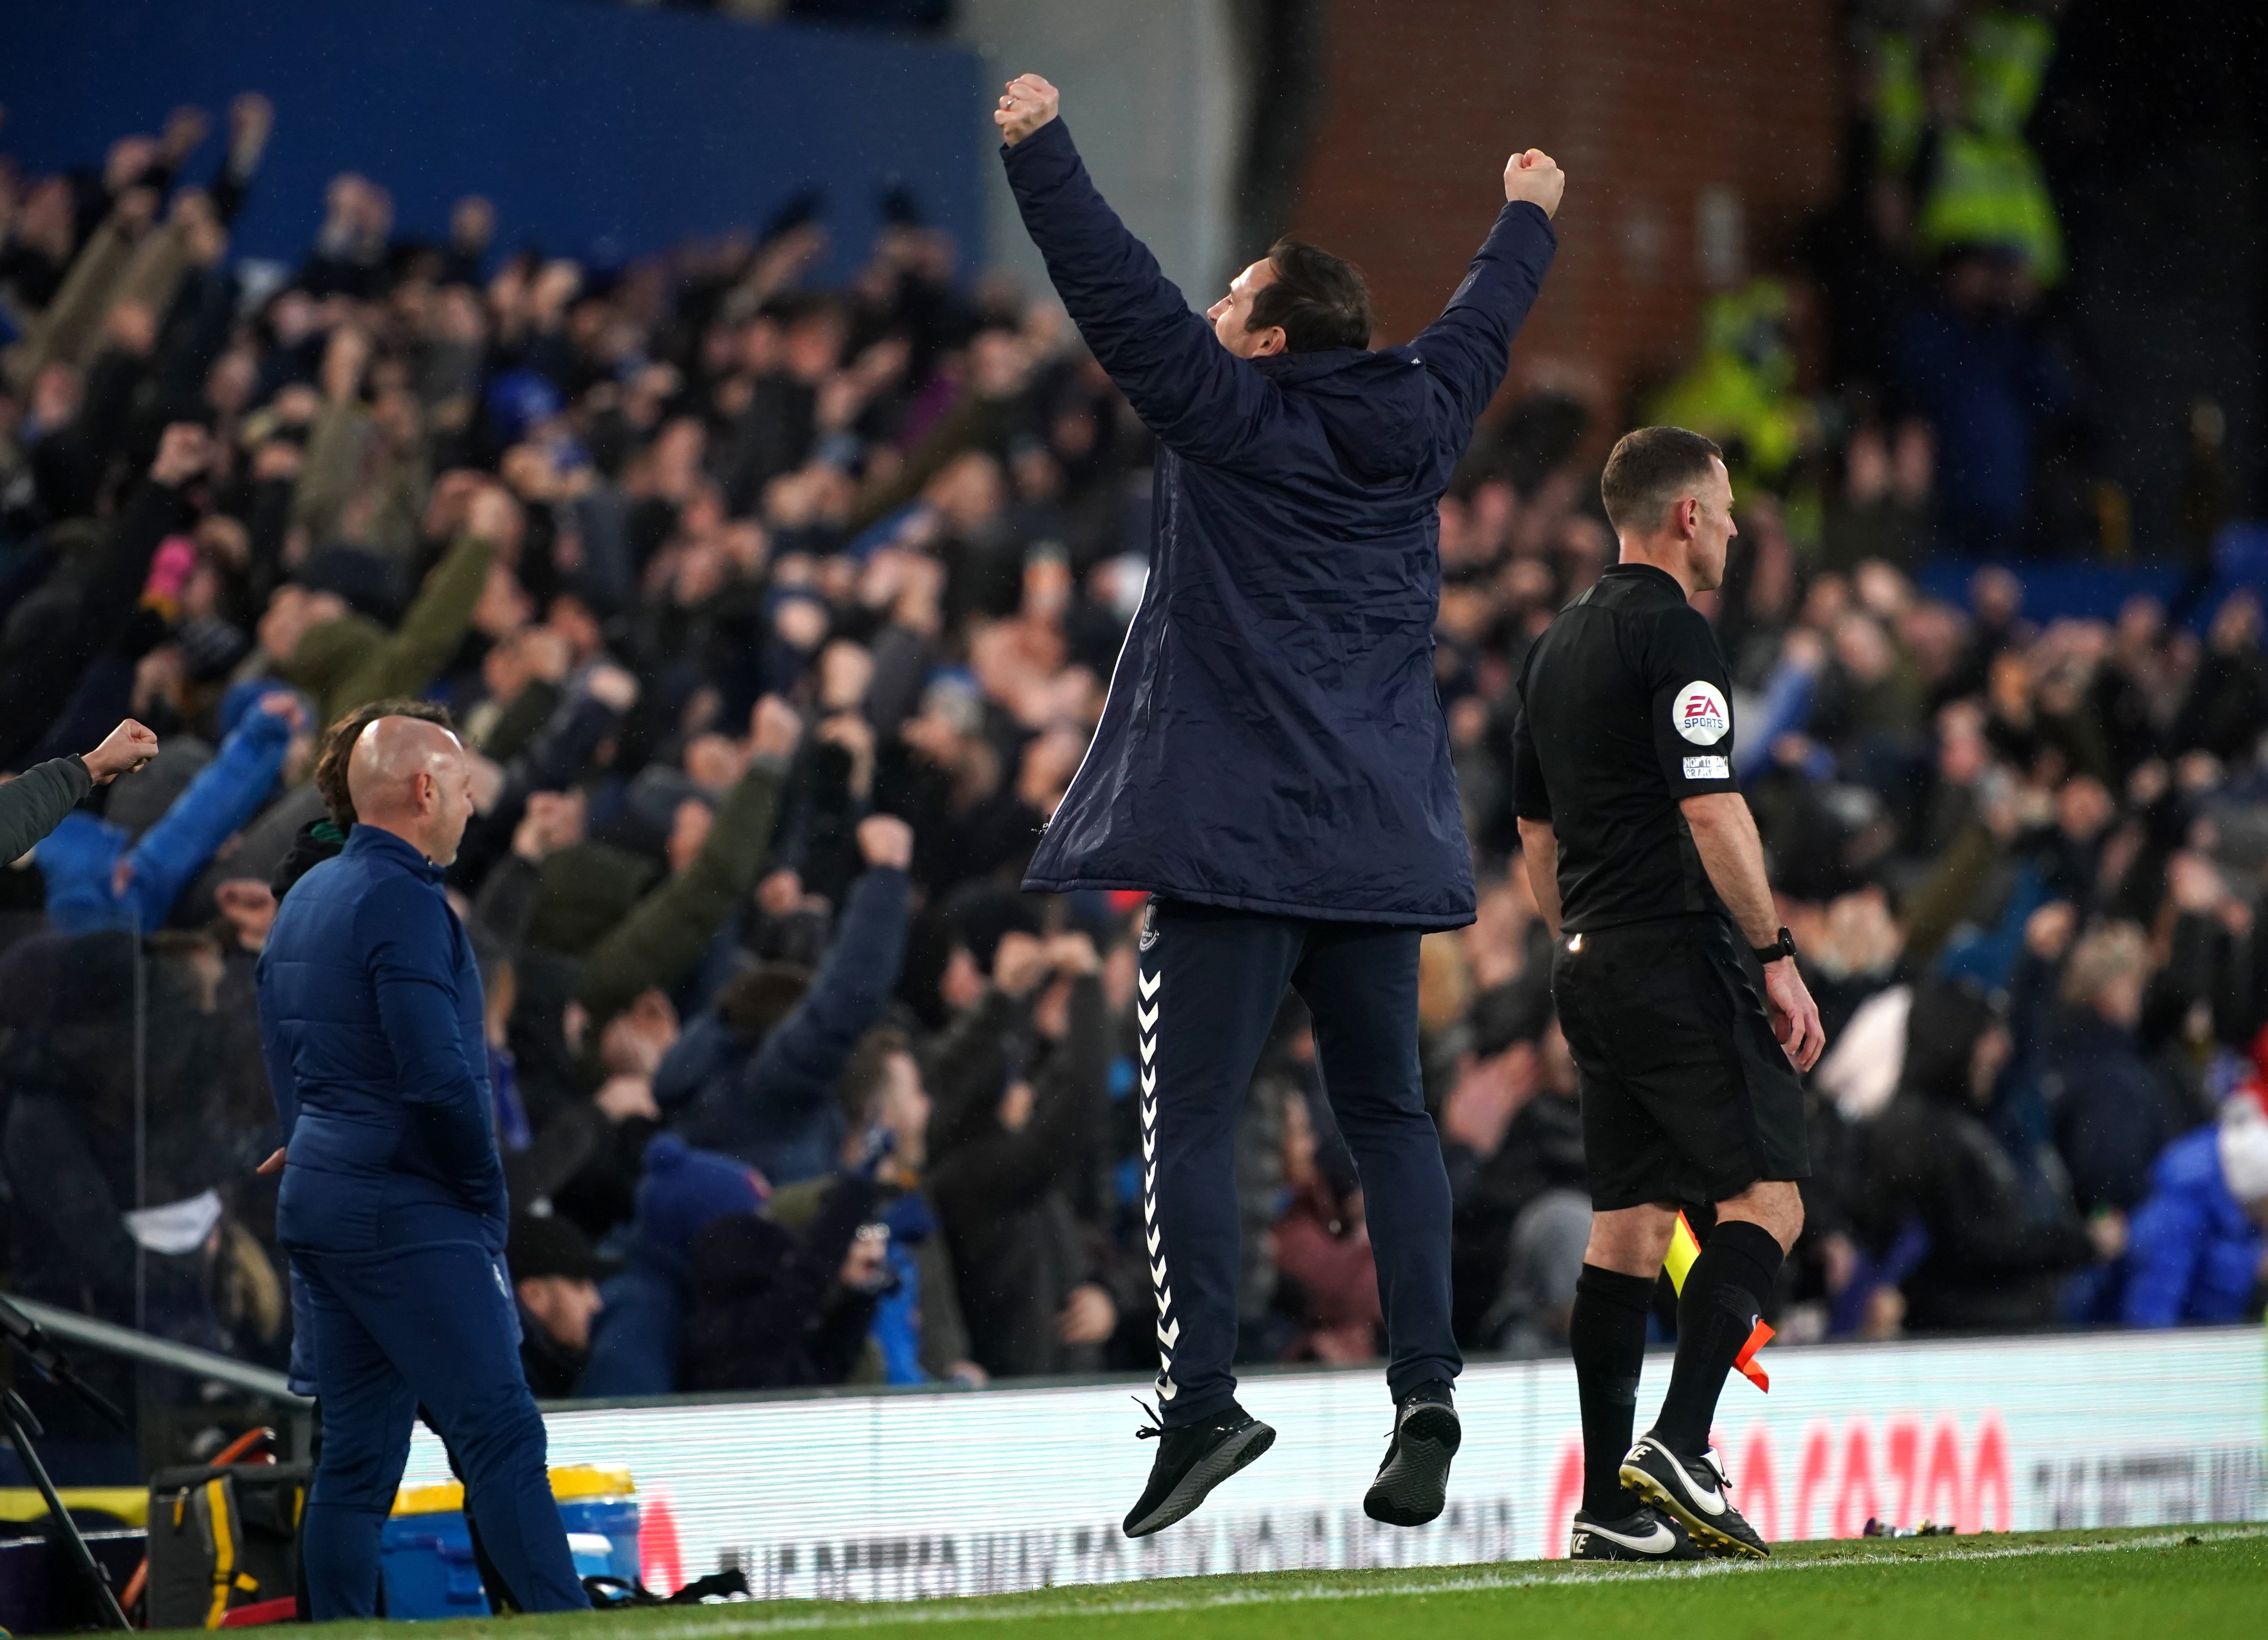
(1700, 714)
(1708, 768)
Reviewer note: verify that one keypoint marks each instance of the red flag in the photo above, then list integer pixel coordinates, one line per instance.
(1746, 1361)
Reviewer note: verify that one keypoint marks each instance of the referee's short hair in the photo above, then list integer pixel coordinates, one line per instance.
(1648, 470)
(1319, 299)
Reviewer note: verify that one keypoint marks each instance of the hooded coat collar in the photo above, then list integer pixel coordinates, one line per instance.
(1372, 405)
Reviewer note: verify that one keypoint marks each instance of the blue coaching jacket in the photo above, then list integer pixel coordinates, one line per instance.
(1273, 741)
(369, 1011)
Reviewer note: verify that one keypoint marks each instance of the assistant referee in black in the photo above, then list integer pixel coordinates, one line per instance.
(1646, 863)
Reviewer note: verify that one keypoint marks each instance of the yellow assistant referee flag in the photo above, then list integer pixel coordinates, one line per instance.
(1684, 1247)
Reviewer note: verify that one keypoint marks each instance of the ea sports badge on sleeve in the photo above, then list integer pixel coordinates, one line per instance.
(1700, 714)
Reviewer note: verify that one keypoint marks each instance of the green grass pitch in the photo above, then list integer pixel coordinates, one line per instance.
(2169, 1583)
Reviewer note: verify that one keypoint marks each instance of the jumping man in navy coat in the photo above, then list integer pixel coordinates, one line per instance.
(1272, 764)
(393, 1204)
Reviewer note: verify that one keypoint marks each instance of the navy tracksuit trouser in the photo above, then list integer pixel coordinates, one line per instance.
(436, 1324)
(1210, 983)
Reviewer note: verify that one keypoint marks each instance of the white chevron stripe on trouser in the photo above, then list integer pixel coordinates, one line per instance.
(1147, 1012)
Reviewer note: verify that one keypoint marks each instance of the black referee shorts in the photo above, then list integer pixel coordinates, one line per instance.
(1686, 1094)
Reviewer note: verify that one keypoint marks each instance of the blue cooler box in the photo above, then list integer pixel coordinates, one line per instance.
(425, 1551)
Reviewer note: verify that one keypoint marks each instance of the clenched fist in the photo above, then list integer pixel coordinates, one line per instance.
(123, 750)
(1536, 177)
(1027, 104)
(887, 841)
(774, 728)
(184, 451)
(493, 515)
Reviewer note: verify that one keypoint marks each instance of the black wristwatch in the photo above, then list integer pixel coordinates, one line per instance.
(1784, 946)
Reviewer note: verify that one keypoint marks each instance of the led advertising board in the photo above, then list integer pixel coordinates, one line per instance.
(910, 1493)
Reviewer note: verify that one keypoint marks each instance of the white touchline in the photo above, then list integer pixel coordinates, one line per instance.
(1010, 1608)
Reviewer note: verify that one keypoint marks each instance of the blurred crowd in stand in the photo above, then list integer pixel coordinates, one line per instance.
(1911, 379)
(779, 617)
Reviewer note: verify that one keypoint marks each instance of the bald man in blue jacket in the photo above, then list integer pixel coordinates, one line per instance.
(392, 1205)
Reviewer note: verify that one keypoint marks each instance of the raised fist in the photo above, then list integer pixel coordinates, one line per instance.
(611, 686)
(345, 357)
(123, 750)
(1027, 104)
(184, 451)
(494, 515)
(135, 209)
(1534, 176)
(184, 131)
(887, 841)
(774, 728)
(251, 117)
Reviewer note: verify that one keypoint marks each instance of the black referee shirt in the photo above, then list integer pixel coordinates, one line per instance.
(1625, 707)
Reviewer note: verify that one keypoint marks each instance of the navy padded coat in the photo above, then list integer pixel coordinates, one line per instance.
(369, 1011)
(1273, 740)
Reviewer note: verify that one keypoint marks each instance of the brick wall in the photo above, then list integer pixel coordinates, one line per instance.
(1695, 134)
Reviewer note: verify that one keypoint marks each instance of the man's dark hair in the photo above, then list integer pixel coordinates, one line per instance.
(1319, 299)
(339, 745)
(1648, 470)
(859, 1090)
(754, 1001)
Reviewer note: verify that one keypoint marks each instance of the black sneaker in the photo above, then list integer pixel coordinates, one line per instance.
(1693, 1490)
(1414, 1478)
(1192, 1462)
(1646, 1535)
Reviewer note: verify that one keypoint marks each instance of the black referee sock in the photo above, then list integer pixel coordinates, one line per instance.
(1723, 1291)
(1606, 1334)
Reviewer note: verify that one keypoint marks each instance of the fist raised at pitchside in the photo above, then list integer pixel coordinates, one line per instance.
(1534, 176)
(1027, 104)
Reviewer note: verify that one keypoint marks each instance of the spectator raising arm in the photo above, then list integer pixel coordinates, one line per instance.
(43, 664)
(35, 803)
(1008, 1167)
(352, 661)
(70, 324)
(96, 882)
(668, 930)
(226, 794)
(560, 750)
(792, 1074)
